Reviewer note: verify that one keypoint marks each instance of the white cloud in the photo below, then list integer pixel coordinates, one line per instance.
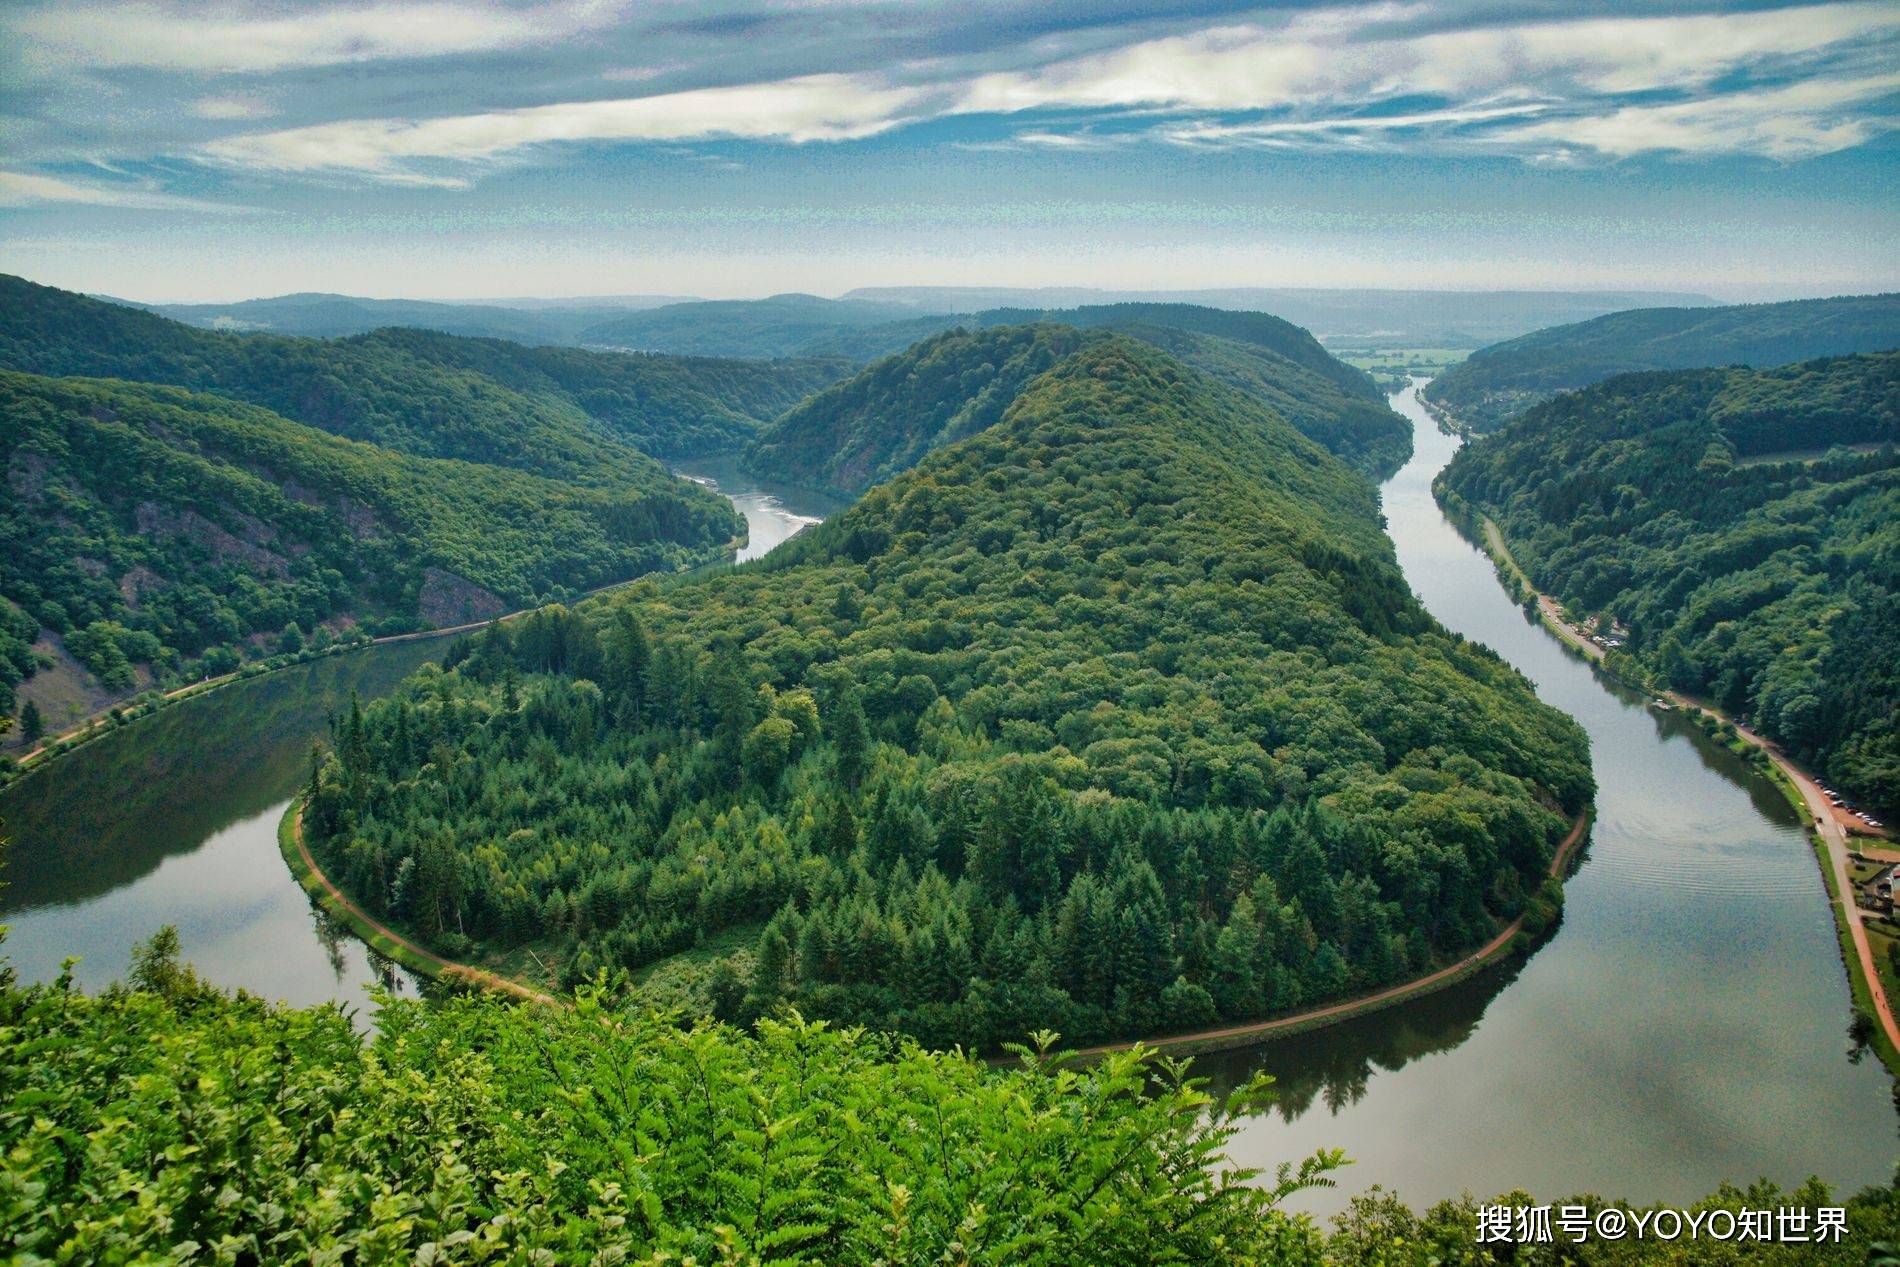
(812, 108)
(232, 106)
(1798, 121)
(1338, 54)
(227, 38)
(1281, 130)
(26, 189)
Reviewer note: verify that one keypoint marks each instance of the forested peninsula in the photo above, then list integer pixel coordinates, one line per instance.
(1502, 380)
(1740, 527)
(1115, 716)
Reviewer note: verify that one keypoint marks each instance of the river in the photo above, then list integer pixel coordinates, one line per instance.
(173, 819)
(1686, 1024)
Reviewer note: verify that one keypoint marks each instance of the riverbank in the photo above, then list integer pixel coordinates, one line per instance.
(124, 712)
(385, 940)
(1226, 1038)
(1824, 831)
(394, 945)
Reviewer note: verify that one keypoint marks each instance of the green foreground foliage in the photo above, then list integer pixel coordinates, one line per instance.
(1717, 516)
(1497, 382)
(1116, 717)
(170, 1123)
(167, 1122)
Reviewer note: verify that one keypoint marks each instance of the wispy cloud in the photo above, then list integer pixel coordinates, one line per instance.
(1293, 131)
(1798, 121)
(811, 108)
(235, 38)
(232, 106)
(1354, 53)
(26, 189)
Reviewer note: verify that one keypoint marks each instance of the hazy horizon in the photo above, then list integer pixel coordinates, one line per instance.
(1713, 292)
(729, 148)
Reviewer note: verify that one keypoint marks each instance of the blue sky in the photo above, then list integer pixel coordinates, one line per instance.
(469, 148)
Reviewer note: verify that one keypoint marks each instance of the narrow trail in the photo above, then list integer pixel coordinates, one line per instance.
(1241, 1035)
(439, 966)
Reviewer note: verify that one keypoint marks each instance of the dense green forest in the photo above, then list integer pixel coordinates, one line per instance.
(167, 1122)
(1116, 716)
(429, 394)
(1722, 516)
(1506, 378)
(954, 384)
(885, 419)
(158, 527)
(669, 406)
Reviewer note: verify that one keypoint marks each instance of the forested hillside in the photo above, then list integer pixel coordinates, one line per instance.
(156, 527)
(169, 1123)
(1116, 715)
(955, 384)
(1722, 516)
(1506, 378)
(669, 406)
(430, 394)
(885, 419)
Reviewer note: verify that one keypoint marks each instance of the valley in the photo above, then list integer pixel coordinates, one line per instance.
(1488, 1070)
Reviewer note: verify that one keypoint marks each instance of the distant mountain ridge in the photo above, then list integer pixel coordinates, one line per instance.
(793, 324)
(1452, 318)
(422, 392)
(1500, 381)
(176, 497)
(957, 382)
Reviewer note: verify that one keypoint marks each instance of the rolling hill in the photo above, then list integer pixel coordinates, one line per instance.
(159, 534)
(430, 394)
(1502, 380)
(1744, 525)
(954, 384)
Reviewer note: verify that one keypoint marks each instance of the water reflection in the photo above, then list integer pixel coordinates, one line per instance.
(1684, 1025)
(173, 820)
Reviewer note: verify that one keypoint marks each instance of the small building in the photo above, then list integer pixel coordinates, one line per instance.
(1879, 891)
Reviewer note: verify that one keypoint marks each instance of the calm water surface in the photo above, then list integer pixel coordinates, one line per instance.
(173, 820)
(1686, 1024)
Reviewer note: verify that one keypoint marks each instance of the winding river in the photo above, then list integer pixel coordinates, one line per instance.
(1686, 1024)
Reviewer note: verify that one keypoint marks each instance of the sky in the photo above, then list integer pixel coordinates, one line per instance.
(475, 148)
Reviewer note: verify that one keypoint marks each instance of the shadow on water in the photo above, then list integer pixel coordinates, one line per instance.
(173, 820)
(106, 814)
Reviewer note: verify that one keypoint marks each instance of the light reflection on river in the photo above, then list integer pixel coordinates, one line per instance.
(1685, 1025)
